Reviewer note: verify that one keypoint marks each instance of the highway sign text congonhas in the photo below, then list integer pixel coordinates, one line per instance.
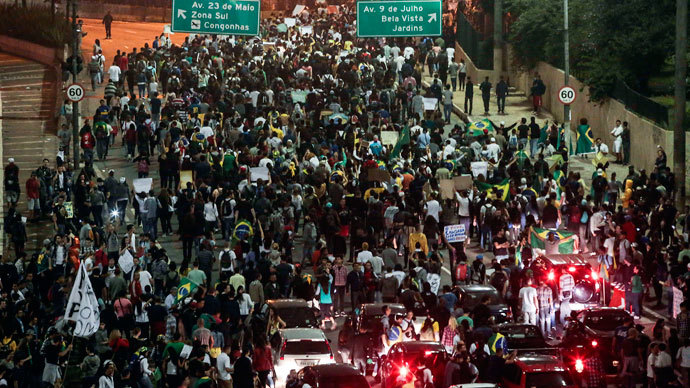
(399, 18)
(227, 17)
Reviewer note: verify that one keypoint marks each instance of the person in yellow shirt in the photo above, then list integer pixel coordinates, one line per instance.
(418, 237)
(627, 194)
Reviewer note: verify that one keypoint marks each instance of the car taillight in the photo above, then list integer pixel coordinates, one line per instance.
(572, 269)
(403, 371)
(595, 343)
(329, 349)
(595, 275)
(551, 276)
(509, 314)
(282, 351)
(579, 366)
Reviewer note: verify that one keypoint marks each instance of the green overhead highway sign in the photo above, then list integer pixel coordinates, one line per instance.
(224, 17)
(398, 18)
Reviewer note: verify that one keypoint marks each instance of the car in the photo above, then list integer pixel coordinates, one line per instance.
(294, 312)
(471, 295)
(366, 334)
(332, 376)
(524, 337)
(600, 325)
(403, 359)
(302, 347)
(534, 370)
(548, 269)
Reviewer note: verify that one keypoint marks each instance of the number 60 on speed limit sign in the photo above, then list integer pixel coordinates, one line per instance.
(75, 93)
(566, 95)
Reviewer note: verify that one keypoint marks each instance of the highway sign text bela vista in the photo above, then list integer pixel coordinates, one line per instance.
(399, 18)
(223, 17)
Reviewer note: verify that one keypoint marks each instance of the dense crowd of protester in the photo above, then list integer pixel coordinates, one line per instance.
(274, 146)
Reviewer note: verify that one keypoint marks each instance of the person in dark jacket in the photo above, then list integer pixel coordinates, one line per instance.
(501, 93)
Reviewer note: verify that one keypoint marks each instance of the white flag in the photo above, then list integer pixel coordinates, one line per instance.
(82, 306)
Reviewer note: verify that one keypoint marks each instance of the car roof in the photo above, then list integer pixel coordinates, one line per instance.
(325, 370)
(566, 259)
(376, 308)
(419, 345)
(536, 362)
(515, 325)
(303, 333)
(287, 303)
(606, 310)
(477, 288)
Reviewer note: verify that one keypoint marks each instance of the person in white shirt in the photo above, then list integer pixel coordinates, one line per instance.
(617, 133)
(600, 146)
(663, 366)
(683, 358)
(448, 149)
(107, 381)
(145, 279)
(211, 215)
(114, 73)
(530, 305)
(365, 255)
(171, 298)
(494, 150)
(225, 367)
(433, 208)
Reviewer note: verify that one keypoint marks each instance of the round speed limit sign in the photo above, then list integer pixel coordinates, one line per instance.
(566, 95)
(75, 93)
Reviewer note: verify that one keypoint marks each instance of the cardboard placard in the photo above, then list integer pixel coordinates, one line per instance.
(389, 137)
(290, 22)
(142, 185)
(126, 262)
(299, 96)
(306, 30)
(463, 182)
(430, 103)
(259, 173)
(455, 233)
(185, 176)
(378, 175)
(447, 188)
(479, 168)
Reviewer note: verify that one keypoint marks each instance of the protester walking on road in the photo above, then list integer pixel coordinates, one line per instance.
(469, 95)
(485, 88)
(108, 23)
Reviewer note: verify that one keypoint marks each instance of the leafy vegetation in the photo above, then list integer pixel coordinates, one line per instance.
(36, 24)
(609, 39)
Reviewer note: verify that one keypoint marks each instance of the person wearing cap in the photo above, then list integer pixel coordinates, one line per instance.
(107, 380)
(493, 150)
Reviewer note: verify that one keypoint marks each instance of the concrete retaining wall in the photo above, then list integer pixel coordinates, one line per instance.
(41, 54)
(125, 13)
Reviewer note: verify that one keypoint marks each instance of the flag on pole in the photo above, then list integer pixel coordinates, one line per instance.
(185, 289)
(82, 306)
(404, 139)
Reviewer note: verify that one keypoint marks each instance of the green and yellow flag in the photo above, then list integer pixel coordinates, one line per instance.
(477, 128)
(185, 289)
(403, 139)
(566, 240)
(498, 191)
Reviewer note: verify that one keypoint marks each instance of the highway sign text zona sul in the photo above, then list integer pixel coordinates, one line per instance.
(399, 18)
(224, 17)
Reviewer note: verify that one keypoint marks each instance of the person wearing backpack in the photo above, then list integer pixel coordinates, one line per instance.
(102, 139)
(463, 273)
(130, 137)
(94, 72)
(478, 271)
(143, 164)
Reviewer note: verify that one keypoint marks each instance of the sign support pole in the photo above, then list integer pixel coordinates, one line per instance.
(566, 54)
(75, 105)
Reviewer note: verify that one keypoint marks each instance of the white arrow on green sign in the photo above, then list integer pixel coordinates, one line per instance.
(399, 18)
(223, 17)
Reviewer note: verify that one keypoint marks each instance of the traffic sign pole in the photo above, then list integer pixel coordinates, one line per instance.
(222, 17)
(76, 53)
(398, 18)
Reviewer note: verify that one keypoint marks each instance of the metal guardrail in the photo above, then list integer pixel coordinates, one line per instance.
(640, 104)
(473, 43)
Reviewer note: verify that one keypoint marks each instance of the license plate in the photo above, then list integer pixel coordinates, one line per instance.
(307, 362)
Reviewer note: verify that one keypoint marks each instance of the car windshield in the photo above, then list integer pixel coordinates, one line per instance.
(548, 380)
(343, 382)
(412, 358)
(523, 336)
(473, 298)
(605, 320)
(297, 317)
(306, 347)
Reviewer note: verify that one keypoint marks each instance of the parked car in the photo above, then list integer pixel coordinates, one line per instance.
(332, 376)
(294, 312)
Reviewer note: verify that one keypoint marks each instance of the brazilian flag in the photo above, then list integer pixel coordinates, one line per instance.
(566, 240)
(403, 139)
(243, 230)
(521, 157)
(477, 128)
(498, 191)
(185, 289)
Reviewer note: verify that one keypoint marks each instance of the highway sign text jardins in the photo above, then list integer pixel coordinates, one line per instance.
(225, 17)
(399, 18)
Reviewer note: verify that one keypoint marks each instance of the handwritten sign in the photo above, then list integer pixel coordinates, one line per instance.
(389, 137)
(455, 233)
(430, 103)
(479, 168)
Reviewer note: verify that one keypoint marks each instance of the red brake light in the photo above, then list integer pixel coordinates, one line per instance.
(595, 275)
(572, 269)
(595, 343)
(579, 366)
(329, 349)
(551, 276)
(282, 351)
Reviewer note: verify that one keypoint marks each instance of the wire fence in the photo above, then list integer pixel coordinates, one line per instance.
(640, 104)
(480, 50)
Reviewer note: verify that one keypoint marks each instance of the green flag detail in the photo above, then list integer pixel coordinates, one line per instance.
(404, 139)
